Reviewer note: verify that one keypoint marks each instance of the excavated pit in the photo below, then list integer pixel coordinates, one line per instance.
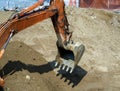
(27, 60)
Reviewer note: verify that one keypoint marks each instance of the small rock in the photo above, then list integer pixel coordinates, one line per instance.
(27, 77)
(93, 17)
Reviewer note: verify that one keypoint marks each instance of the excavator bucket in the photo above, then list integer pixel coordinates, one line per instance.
(68, 59)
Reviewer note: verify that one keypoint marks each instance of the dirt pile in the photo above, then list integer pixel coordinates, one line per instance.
(98, 70)
(25, 69)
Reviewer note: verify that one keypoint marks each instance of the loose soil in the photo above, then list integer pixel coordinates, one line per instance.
(26, 65)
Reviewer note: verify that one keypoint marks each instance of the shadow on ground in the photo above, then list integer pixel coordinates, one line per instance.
(1, 89)
(13, 66)
(75, 77)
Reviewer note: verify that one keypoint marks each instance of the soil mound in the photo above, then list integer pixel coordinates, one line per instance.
(98, 70)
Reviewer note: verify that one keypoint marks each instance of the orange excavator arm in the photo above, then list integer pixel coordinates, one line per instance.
(23, 20)
(69, 53)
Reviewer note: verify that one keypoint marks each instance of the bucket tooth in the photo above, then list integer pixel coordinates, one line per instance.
(63, 68)
(71, 70)
(56, 64)
(67, 69)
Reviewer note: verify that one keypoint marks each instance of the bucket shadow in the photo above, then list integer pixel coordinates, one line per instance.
(73, 78)
(14, 66)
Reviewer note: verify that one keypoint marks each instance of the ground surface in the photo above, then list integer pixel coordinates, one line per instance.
(26, 63)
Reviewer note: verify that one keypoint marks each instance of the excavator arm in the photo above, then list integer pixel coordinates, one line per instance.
(22, 20)
(69, 53)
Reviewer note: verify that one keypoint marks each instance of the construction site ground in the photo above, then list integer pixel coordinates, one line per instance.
(27, 62)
